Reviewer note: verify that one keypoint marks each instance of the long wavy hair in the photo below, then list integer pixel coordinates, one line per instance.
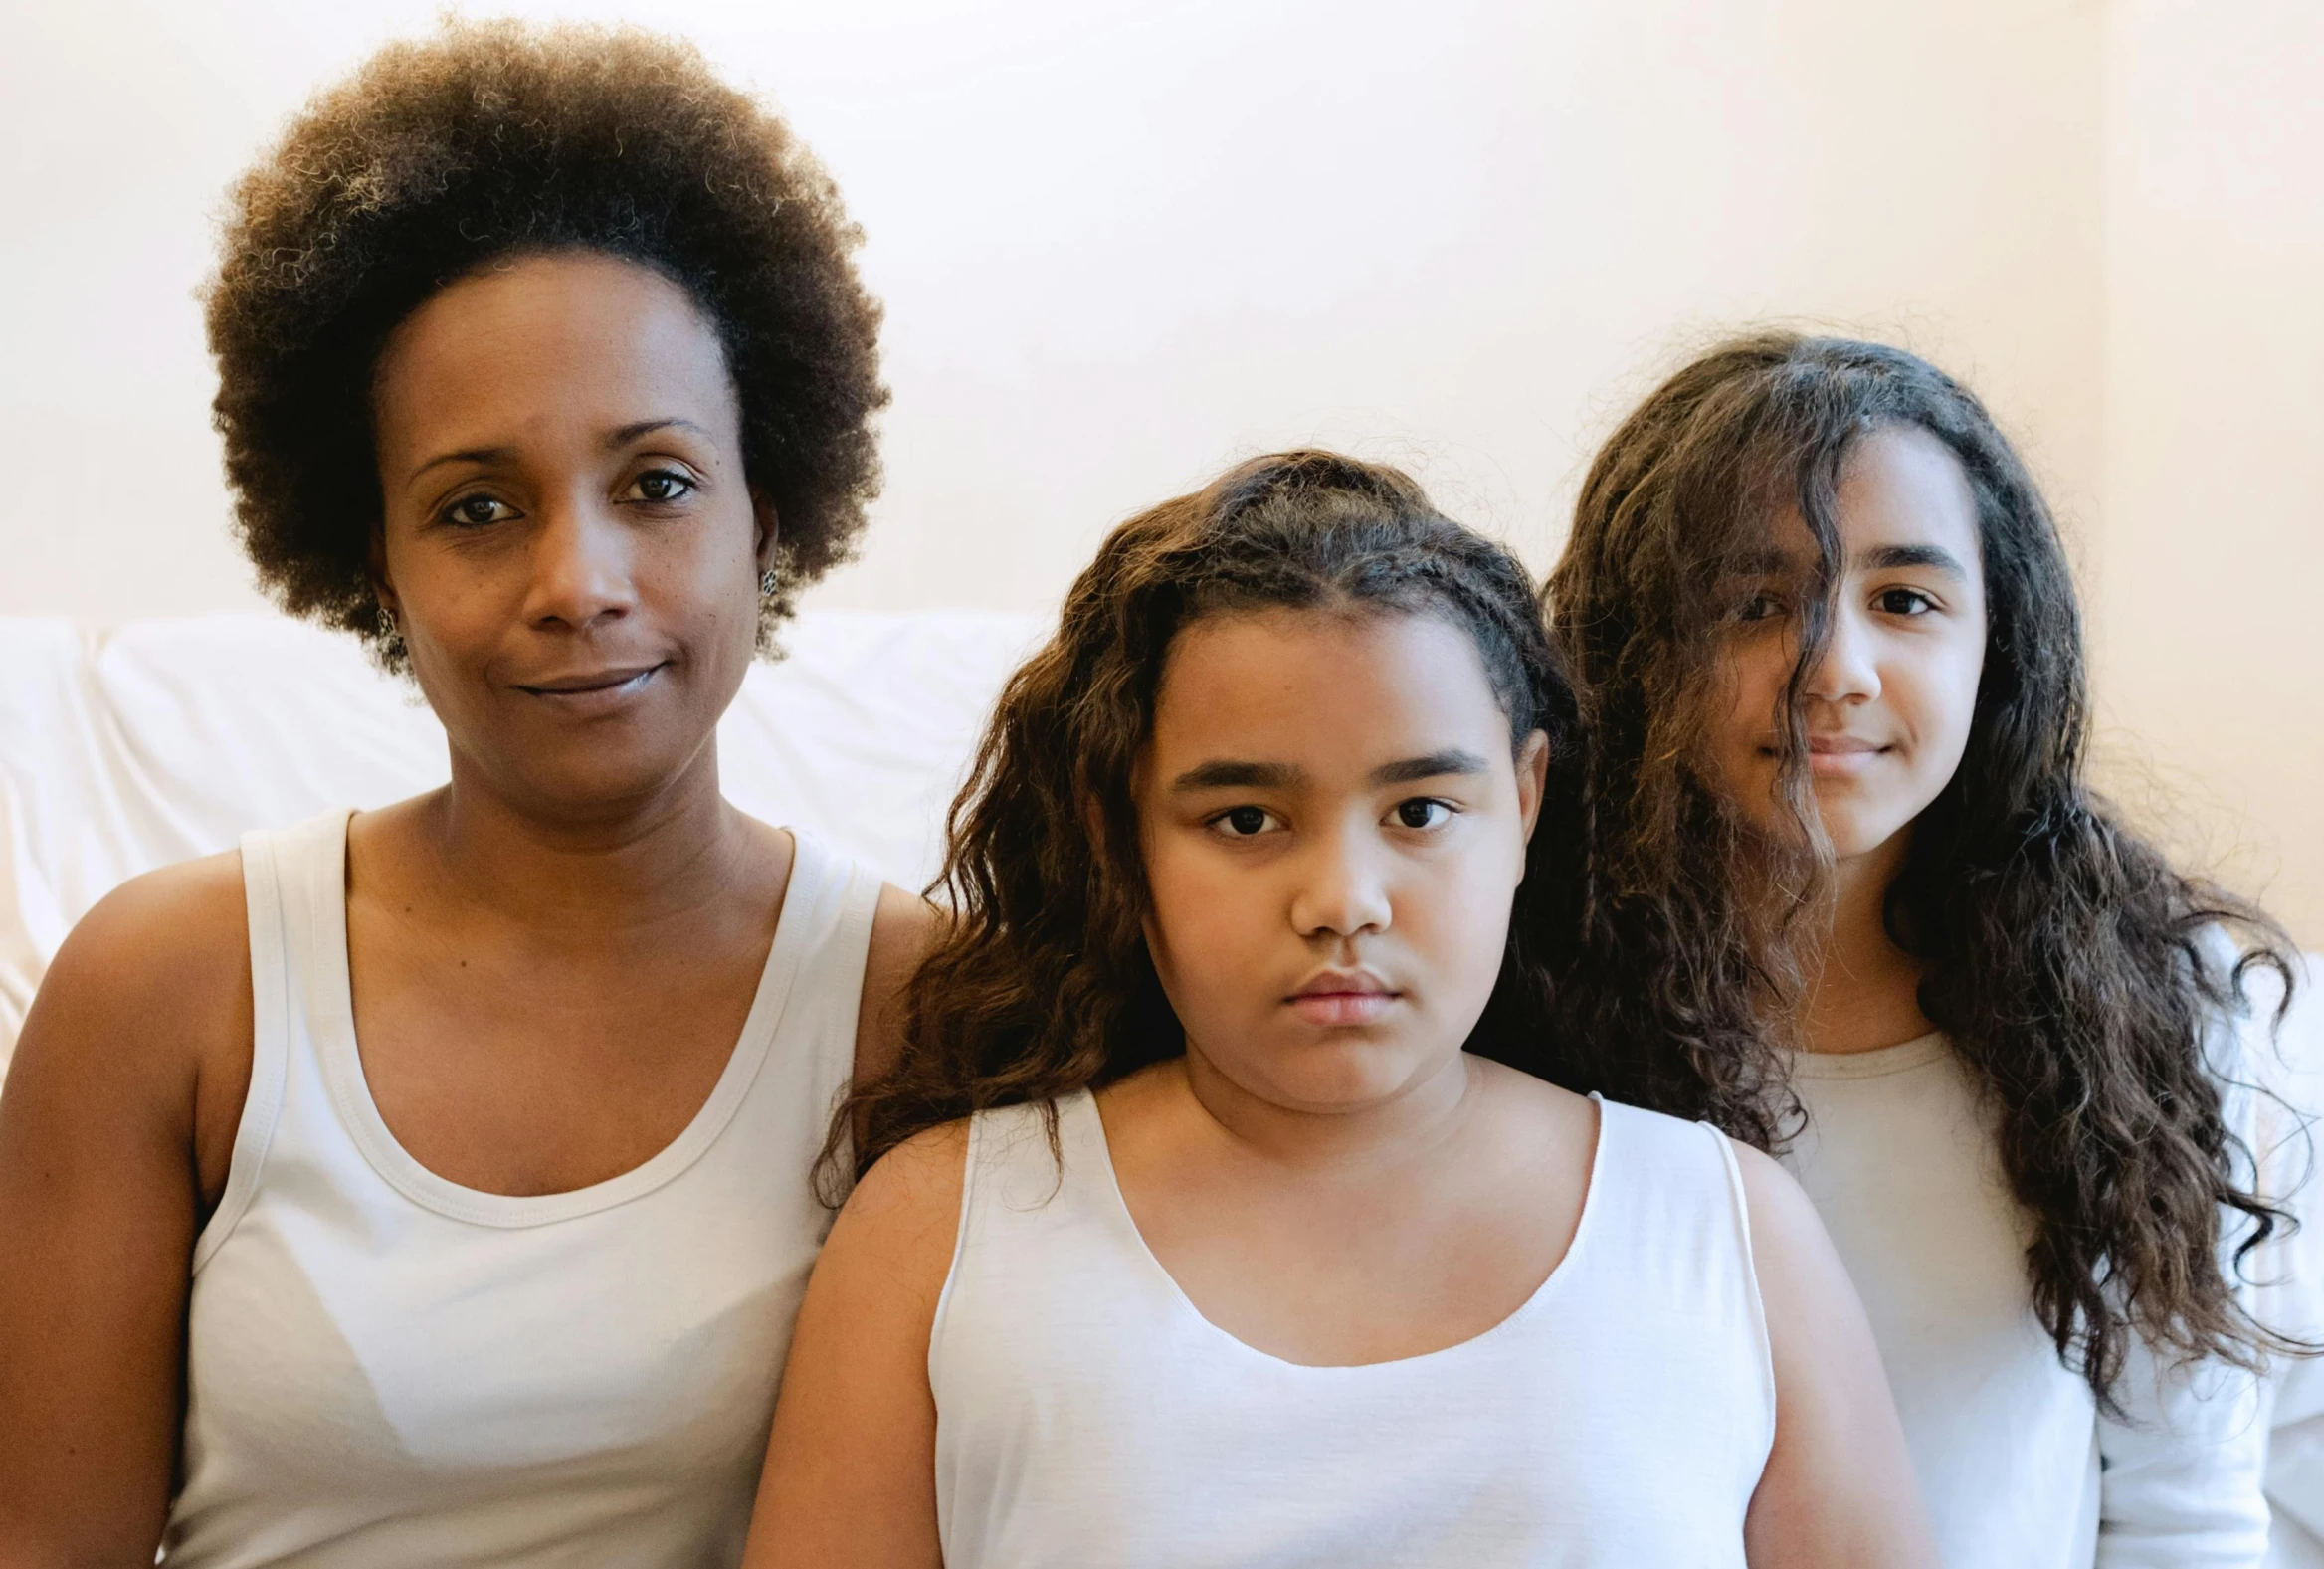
(1044, 985)
(2077, 974)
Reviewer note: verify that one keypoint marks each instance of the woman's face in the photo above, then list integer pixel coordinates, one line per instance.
(568, 544)
(1332, 829)
(1889, 701)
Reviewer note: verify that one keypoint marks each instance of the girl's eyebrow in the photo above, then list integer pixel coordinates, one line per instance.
(1436, 765)
(1229, 774)
(1889, 558)
(1232, 774)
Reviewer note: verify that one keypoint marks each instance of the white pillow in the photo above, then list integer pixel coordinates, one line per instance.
(164, 740)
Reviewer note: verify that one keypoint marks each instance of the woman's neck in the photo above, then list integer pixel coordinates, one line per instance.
(663, 855)
(1862, 989)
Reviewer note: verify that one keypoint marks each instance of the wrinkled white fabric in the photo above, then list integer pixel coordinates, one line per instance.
(2289, 1061)
(2018, 1466)
(125, 750)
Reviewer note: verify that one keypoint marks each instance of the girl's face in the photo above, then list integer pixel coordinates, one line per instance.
(1888, 703)
(1333, 829)
(568, 544)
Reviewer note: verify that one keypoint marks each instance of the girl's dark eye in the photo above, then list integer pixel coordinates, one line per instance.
(1422, 813)
(1244, 821)
(1905, 601)
(659, 484)
(1758, 608)
(473, 511)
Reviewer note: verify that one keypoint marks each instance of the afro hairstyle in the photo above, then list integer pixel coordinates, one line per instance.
(492, 140)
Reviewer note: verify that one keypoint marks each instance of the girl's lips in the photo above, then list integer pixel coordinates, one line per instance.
(1837, 757)
(1841, 758)
(1330, 1008)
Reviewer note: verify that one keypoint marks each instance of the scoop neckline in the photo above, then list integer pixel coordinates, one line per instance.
(333, 1015)
(1878, 1063)
(1119, 1211)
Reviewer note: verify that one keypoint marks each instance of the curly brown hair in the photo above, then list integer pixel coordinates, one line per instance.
(491, 139)
(2076, 973)
(1044, 985)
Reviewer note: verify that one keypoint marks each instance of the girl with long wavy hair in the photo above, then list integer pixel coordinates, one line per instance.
(1844, 861)
(1224, 1207)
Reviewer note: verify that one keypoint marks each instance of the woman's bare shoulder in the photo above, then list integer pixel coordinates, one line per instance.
(161, 955)
(147, 1003)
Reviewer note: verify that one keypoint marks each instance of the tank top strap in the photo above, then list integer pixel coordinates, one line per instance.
(285, 871)
(1667, 1212)
(803, 1026)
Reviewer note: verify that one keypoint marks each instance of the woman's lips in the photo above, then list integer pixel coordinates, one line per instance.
(589, 694)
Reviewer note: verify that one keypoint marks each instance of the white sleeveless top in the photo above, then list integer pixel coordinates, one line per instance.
(1088, 1414)
(386, 1368)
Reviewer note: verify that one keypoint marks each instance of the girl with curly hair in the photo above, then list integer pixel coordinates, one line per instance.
(434, 1185)
(1226, 1208)
(1842, 860)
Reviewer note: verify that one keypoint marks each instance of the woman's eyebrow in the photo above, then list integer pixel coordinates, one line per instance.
(629, 433)
(477, 454)
(1889, 558)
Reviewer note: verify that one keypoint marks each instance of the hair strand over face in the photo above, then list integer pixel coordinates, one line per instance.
(2081, 980)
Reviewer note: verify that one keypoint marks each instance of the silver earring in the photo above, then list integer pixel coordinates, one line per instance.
(388, 630)
(766, 584)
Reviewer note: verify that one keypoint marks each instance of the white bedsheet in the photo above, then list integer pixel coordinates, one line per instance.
(126, 750)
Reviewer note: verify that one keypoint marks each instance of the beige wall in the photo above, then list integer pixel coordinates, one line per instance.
(2211, 557)
(1124, 240)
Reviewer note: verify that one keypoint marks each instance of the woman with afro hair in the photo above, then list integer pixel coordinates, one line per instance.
(434, 1184)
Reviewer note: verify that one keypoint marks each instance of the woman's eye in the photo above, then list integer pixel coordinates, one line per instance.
(1759, 607)
(1422, 813)
(659, 484)
(1242, 822)
(474, 512)
(1904, 602)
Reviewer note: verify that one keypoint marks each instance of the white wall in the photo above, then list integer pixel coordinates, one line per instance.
(1122, 242)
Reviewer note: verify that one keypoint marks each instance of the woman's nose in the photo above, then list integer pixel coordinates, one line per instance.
(581, 564)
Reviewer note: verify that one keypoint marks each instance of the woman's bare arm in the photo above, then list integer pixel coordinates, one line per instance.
(116, 1125)
(1838, 1490)
(851, 1474)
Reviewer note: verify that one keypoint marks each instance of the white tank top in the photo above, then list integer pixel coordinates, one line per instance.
(1088, 1414)
(386, 1368)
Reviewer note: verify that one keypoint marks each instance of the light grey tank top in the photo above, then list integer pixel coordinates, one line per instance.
(386, 1368)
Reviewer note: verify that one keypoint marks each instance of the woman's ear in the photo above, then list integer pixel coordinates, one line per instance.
(770, 531)
(1532, 780)
(382, 587)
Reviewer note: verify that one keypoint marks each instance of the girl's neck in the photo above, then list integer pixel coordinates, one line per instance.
(1862, 989)
(630, 864)
(1421, 1117)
